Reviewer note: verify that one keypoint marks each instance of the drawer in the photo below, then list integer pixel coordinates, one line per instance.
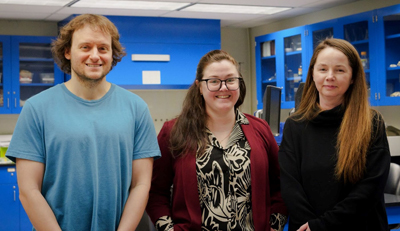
(8, 174)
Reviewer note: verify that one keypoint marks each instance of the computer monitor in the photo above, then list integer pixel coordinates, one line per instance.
(297, 96)
(272, 108)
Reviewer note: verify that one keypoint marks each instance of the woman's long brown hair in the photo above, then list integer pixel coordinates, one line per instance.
(356, 128)
(188, 133)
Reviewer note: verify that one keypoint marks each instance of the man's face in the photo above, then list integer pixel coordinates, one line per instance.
(90, 55)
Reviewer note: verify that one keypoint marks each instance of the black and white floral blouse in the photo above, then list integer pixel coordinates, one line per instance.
(224, 185)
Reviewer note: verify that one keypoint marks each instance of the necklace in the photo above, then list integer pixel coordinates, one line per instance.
(225, 137)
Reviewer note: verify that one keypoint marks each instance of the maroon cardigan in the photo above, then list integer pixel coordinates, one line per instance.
(181, 173)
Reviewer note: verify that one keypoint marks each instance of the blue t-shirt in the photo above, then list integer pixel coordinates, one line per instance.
(87, 148)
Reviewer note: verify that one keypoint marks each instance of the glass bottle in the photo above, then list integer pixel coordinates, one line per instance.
(364, 60)
(300, 70)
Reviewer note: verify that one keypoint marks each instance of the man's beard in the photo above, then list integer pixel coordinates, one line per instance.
(89, 82)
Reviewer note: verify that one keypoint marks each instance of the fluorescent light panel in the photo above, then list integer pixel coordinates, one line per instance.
(36, 2)
(234, 9)
(141, 5)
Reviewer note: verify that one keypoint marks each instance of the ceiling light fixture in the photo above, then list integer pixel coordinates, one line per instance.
(141, 5)
(36, 2)
(234, 9)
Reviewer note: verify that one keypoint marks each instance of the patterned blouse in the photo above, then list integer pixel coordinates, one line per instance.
(224, 185)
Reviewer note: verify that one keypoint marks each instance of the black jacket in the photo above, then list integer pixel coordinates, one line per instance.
(307, 158)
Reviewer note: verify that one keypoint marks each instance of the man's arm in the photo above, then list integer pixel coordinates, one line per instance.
(138, 195)
(30, 178)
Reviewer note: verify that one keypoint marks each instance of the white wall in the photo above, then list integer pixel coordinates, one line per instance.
(25, 27)
(235, 41)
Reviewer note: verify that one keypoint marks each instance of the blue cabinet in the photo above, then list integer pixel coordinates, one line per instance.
(280, 60)
(375, 34)
(12, 214)
(27, 68)
(5, 70)
(387, 44)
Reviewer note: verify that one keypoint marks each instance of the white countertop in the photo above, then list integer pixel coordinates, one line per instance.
(394, 145)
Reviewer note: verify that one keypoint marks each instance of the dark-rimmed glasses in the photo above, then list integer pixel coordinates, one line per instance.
(215, 84)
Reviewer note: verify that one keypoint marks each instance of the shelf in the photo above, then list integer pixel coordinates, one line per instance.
(36, 84)
(293, 78)
(293, 53)
(43, 46)
(269, 81)
(360, 42)
(393, 36)
(268, 57)
(393, 68)
(36, 60)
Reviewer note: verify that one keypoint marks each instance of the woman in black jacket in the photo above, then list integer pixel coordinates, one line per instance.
(334, 156)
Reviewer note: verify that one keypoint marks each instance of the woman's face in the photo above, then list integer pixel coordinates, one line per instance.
(223, 100)
(332, 75)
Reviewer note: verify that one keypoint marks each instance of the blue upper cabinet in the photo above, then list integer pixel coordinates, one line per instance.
(5, 71)
(357, 30)
(320, 31)
(375, 35)
(280, 60)
(32, 69)
(26, 68)
(387, 44)
(184, 40)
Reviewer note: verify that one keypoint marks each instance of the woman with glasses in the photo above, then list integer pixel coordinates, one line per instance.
(219, 167)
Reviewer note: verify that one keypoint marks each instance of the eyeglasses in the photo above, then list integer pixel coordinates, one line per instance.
(215, 84)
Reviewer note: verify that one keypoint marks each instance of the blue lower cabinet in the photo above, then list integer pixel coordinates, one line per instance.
(9, 209)
(12, 214)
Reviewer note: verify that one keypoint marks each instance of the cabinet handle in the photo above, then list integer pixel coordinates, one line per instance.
(15, 197)
(8, 102)
(376, 97)
(379, 95)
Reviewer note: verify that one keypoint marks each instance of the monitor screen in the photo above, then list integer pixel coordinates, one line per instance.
(297, 96)
(272, 108)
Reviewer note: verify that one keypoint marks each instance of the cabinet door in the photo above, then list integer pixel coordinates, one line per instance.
(294, 56)
(280, 58)
(33, 68)
(9, 209)
(388, 40)
(318, 32)
(266, 67)
(357, 30)
(5, 74)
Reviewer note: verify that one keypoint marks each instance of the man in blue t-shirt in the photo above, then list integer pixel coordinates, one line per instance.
(84, 149)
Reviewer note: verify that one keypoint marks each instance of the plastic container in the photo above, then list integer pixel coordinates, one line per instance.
(25, 76)
(47, 77)
(3, 150)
